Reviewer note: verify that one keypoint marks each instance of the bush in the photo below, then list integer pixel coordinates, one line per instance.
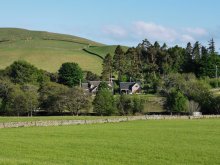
(177, 102)
(103, 103)
(190, 87)
(124, 105)
(214, 83)
(76, 100)
(199, 91)
(138, 105)
(128, 105)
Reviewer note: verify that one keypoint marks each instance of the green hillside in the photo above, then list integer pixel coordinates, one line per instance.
(13, 34)
(49, 50)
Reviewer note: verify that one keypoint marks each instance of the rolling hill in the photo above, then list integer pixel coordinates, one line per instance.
(49, 50)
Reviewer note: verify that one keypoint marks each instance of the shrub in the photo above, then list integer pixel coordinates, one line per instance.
(190, 87)
(138, 105)
(214, 83)
(127, 105)
(124, 105)
(103, 103)
(176, 102)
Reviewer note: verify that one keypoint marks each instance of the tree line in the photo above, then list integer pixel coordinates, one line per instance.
(183, 75)
(150, 61)
(26, 90)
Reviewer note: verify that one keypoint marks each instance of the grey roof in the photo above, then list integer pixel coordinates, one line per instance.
(93, 85)
(127, 85)
(96, 83)
(85, 85)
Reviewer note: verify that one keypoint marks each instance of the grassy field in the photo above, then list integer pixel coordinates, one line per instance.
(49, 50)
(129, 143)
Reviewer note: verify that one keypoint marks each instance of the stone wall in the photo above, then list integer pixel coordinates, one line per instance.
(106, 120)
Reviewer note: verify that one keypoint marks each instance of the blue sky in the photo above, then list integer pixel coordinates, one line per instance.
(125, 22)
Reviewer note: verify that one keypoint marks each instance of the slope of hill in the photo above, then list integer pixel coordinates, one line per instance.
(49, 50)
(13, 34)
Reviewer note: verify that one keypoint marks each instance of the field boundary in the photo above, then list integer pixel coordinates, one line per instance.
(106, 120)
(95, 54)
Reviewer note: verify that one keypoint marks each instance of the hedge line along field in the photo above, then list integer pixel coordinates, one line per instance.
(127, 143)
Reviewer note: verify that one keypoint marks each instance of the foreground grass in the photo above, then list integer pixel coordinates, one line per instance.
(139, 142)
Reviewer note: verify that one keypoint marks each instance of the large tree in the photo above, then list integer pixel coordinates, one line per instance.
(196, 52)
(176, 58)
(211, 46)
(119, 62)
(107, 67)
(70, 74)
(177, 102)
(22, 72)
(130, 105)
(22, 100)
(76, 100)
(49, 93)
(133, 62)
(188, 65)
(149, 57)
(103, 103)
(32, 98)
(6, 87)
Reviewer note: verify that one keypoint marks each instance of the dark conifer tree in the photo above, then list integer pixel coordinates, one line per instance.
(119, 63)
(211, 46)
(204, 51)
(107, 67)
(196, 52)
(133, 63)
(188, 61)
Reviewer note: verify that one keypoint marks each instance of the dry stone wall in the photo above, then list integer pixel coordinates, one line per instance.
(107, 120)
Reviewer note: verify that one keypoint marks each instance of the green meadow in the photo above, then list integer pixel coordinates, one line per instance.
(49, 50)
(127, 143)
